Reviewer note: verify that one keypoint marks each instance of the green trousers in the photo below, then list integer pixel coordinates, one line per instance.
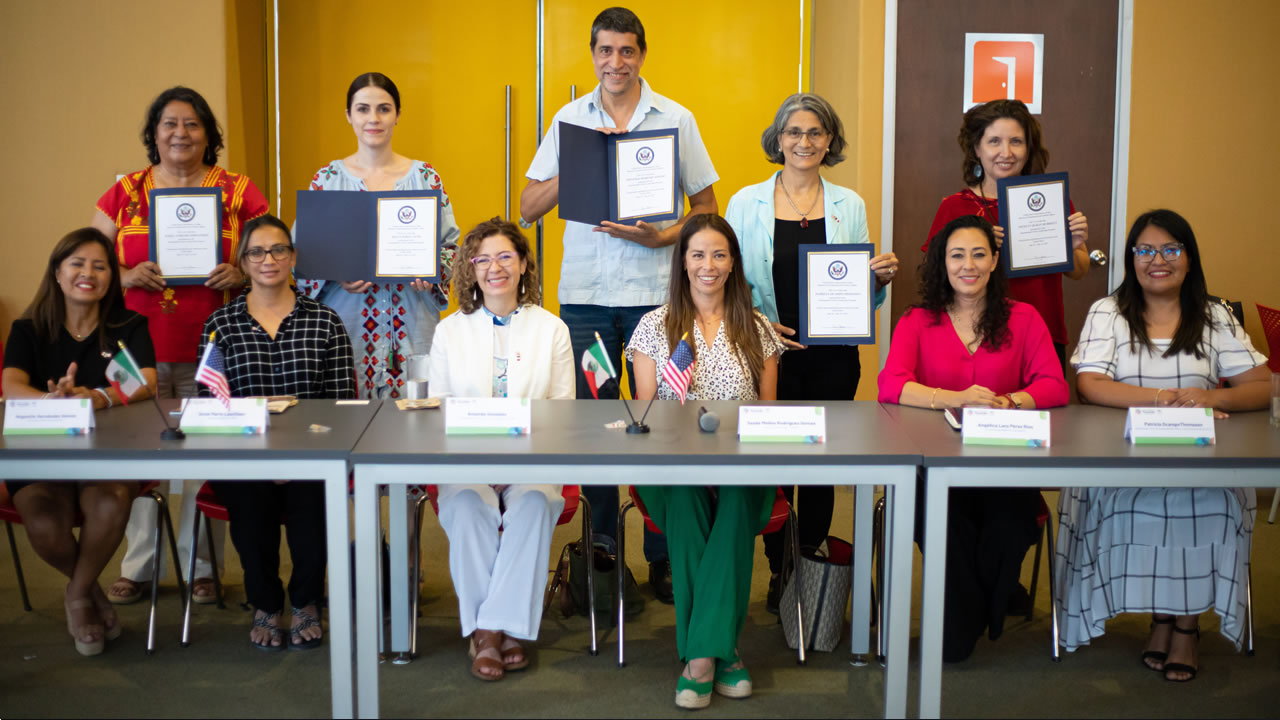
(711, 544)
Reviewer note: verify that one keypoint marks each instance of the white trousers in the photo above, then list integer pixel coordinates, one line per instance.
(500, 576)
(140, 536)
(174, 380)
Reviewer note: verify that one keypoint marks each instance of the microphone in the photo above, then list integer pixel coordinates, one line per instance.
(708, 421)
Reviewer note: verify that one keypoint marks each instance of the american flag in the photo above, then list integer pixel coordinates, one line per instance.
(678, 372)
(212, 373)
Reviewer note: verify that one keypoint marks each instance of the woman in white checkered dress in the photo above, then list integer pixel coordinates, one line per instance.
(1173, 552)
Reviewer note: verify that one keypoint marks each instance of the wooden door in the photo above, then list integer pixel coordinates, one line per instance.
(1078, 119)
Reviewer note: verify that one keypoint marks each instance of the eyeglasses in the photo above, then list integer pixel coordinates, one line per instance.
(1146, 253)
(505, 259)
(278, 253)
(814, 135)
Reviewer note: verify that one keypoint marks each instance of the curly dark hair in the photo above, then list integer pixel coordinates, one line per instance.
(1193, 297)
(975, 124)
(937, 295)
(212, 132)
(470, 297)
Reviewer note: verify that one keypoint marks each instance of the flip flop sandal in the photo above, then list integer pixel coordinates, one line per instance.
(128, 598)
(1156, 655)
(89, 647)
(296, 641)
(485, 655)
(276, 632)
(510, 647)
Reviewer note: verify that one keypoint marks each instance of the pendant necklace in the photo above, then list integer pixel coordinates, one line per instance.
(804, 216)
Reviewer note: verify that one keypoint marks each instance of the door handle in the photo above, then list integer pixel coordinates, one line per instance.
(1098, 258)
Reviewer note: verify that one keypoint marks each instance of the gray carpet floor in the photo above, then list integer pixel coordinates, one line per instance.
(219, 675)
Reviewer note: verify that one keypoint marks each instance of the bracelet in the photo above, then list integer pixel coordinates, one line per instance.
(106, 395)
(931, 398)
(1157, 402)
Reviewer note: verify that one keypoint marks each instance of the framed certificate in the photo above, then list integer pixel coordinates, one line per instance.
(186, 233)
(353, 235)
(837, 301)
(620, 178)
(1033, 213)
(406, 235)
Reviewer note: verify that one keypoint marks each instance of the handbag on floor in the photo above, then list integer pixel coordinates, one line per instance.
(569, 584)
(825, 578)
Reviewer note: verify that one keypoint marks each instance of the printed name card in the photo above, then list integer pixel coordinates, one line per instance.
(63, 416)
(782, 423)
(1169, 426)
(208, 416)
(1016, 428)
(488, 416)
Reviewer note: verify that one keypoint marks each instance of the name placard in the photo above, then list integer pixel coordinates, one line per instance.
(208, 416)
(1014, 428)
(1169, 426)
(488, 416)
(63, 416)
(782, 423)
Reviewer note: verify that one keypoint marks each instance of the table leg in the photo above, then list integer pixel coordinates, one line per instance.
(935, 579)
(368, 568)
(337, 517)
(397, 537)
(900, 518)
(860, 615)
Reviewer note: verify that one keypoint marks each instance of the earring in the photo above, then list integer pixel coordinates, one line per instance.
(977, 172)
(520, 288)
(475, 293)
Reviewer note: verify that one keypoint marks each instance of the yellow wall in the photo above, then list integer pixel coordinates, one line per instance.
(1203, 140)
(77, 78)
(848, 70)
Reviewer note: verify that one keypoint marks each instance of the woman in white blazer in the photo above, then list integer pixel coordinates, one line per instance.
(500, 343)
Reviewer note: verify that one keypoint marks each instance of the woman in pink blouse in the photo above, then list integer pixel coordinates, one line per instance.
(967, 344)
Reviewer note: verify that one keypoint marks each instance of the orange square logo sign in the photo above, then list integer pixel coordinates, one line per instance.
(1000, 66)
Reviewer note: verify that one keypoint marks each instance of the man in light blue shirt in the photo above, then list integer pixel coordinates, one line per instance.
(613, 274)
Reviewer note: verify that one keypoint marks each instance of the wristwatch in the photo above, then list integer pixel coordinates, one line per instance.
(1015, 402)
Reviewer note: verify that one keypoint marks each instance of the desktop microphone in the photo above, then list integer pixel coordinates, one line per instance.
(708, 421)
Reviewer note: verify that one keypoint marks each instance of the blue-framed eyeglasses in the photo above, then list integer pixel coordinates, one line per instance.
(1146, 253)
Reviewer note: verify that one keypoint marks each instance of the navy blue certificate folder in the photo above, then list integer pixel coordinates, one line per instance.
(588, 175)
(336, 232)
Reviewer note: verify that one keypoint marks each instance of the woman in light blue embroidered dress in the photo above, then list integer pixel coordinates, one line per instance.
(391, 323)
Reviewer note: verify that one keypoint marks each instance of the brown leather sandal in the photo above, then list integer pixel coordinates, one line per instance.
(486, 655)
(513, 655)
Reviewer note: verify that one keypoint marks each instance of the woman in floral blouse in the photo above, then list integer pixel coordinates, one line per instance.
(391, 323)
(711, 536)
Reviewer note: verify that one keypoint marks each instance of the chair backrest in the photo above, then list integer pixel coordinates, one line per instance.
(1271, 330)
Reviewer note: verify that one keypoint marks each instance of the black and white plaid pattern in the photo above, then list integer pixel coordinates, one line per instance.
(1177, 551)
(310, 356)
(1105, 348)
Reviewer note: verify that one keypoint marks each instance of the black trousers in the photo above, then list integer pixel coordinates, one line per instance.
(989, 531)
(257, 510)
(820, 372)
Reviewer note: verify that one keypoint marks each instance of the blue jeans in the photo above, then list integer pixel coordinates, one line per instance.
(615, 325)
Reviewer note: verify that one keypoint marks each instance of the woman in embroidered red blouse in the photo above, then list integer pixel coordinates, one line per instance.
(1001, 139)
(966, 344)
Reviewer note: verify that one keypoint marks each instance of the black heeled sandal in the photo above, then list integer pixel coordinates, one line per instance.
(1181, 667)
(1156, 655)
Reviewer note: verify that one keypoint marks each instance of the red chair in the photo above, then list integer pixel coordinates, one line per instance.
(781, 518)
(1271, 330)
(207, 506)
(572, 498)
(164, 523)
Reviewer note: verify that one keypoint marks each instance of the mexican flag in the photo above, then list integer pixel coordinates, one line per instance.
(124, 375)
(597, 367)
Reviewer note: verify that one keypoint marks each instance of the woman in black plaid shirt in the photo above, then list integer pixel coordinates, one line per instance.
(275, 341)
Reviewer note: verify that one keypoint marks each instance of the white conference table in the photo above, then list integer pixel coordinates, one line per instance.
(126, 444)
(1088, 450)
(569, 444)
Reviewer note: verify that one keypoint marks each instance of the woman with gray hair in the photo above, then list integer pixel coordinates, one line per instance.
(797, 206)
